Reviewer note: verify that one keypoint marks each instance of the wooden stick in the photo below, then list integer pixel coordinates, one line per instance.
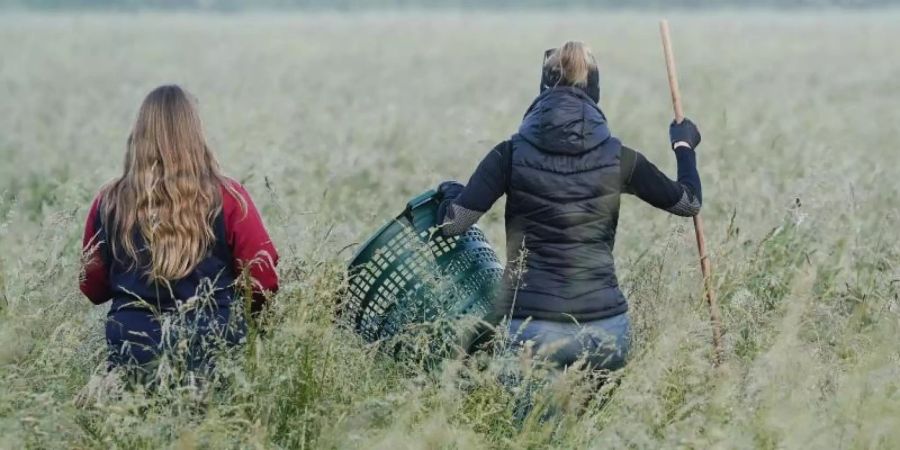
(705, 266)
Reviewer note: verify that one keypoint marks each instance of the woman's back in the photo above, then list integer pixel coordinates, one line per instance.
(173, 236)
(563, 174)
(212, 279)
(562, 209)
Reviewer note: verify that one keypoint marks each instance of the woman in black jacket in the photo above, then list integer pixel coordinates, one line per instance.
(563, 173)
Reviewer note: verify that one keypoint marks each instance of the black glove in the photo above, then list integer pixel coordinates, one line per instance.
(447, 192)
(686, 132)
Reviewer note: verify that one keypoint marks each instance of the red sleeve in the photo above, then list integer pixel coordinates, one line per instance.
(94, 279)
(251, 246)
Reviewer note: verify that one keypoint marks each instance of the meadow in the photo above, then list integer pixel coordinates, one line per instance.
(334, 121)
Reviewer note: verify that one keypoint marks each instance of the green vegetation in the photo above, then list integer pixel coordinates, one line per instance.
(334, 121)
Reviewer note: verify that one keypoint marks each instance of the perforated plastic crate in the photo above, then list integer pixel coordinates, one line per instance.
(409, 274)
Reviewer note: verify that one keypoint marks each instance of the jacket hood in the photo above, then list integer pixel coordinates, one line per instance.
(564, 120)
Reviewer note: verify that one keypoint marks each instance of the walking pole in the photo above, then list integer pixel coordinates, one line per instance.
(705, 265)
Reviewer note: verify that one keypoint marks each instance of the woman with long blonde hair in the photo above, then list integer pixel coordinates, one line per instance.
(563, 173)
(172, 233)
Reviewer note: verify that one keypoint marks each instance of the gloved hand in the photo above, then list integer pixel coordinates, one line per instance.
(685, 132)
(449, 190)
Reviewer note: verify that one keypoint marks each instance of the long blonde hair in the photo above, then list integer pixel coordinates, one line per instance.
(572, 61)
(170, 190)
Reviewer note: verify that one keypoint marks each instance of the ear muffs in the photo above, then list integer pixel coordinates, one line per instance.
(593, 84)
(551, 77)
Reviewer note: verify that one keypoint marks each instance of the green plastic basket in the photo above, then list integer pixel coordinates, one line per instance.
(408, 274)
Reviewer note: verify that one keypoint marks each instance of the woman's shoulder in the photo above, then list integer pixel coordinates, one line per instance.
(235, 197)
(101, 195)
(232, 187)
(94, 215)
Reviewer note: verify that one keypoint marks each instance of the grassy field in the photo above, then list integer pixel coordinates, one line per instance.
(333, 122)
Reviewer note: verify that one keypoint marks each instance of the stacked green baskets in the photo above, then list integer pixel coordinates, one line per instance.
(408, 275)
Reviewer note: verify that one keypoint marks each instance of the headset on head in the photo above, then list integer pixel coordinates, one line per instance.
(552, 78)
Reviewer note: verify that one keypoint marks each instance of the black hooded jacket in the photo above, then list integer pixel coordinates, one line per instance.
(563, 174)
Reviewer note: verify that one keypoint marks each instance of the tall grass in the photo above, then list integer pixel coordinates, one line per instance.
(334, 121)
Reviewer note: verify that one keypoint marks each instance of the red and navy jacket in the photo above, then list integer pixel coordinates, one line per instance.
(242, 242)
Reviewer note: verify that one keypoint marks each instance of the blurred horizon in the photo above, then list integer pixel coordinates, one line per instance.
(376, 5)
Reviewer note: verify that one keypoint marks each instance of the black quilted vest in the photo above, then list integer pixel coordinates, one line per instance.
(561, 212)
